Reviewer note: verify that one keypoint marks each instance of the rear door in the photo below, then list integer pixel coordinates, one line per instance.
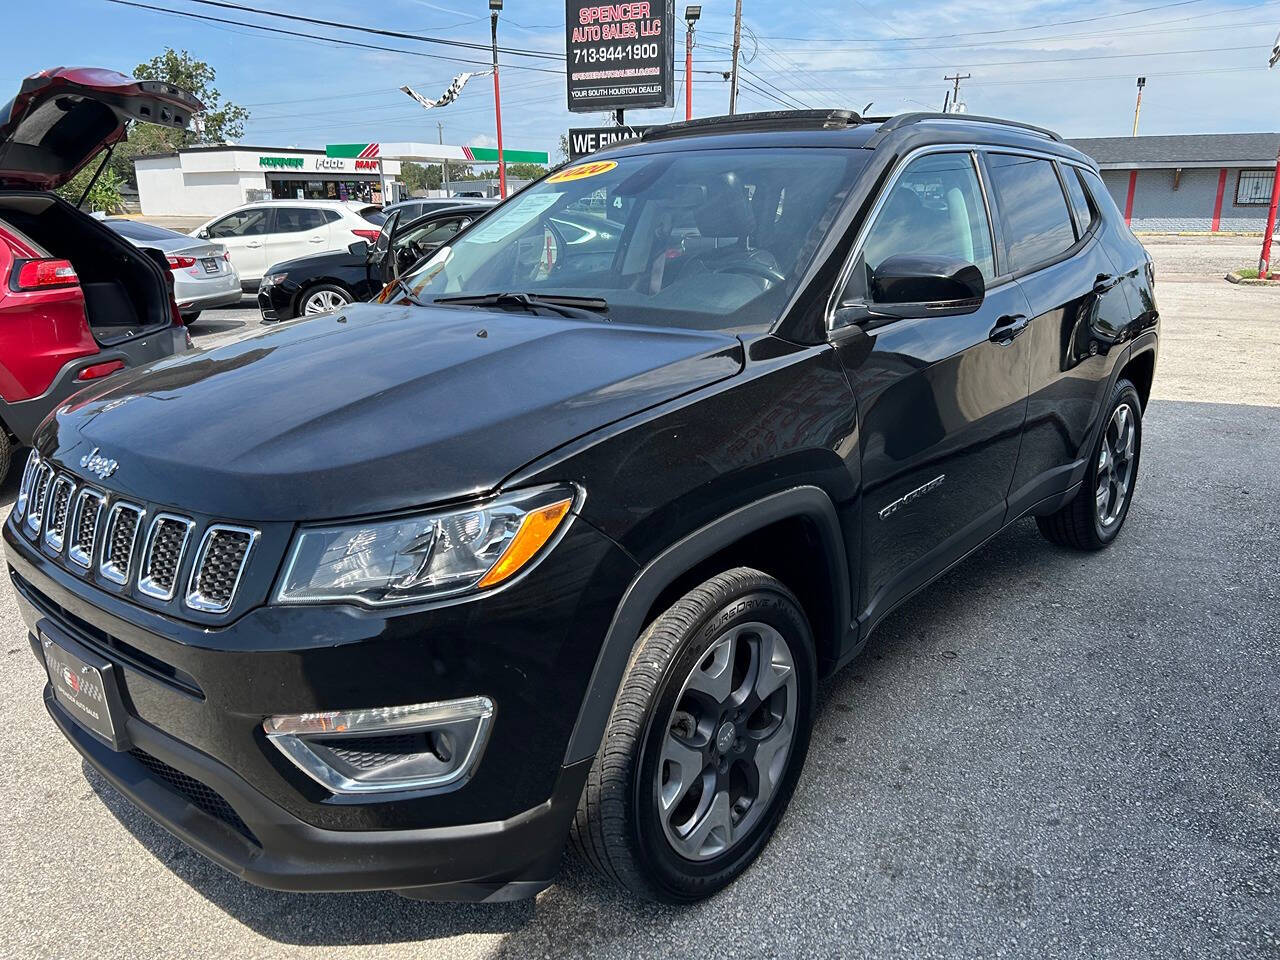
(1078, 308)
(941, 396)
(298, 232)
(244, 233)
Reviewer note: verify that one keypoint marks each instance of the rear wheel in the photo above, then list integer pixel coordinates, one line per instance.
(322, 299)
(706, 741)
(6, 453)
(1094, 517)
(190, 318)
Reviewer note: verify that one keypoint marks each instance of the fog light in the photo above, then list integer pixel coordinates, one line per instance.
(424, 747)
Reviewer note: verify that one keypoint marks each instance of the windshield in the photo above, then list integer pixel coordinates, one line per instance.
(710, 239)
(144, 231)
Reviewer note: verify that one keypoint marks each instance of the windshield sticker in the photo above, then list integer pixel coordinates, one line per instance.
(582, 171)
(511, 217)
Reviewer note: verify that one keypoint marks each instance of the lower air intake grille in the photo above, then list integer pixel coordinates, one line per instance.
(223, 555)
(205, 799)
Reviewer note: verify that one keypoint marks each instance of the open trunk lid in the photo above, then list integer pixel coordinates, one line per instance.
(61, 118)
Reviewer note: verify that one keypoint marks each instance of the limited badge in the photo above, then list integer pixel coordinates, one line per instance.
(582, 171)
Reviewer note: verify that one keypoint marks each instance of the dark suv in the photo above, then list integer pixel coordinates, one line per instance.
(557, 539)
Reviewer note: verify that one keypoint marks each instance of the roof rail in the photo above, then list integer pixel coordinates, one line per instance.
(755, 122)
(907, 119)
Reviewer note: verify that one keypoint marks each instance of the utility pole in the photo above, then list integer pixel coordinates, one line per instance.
(1137, 109)
(691, 15)
(1264, 261)
(737, 46)
(494, 7)
(444, 161)
(955, 99)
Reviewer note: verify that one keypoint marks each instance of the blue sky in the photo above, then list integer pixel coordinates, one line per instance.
(1075, 77)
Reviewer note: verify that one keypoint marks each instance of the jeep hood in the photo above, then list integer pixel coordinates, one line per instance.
(376, 409)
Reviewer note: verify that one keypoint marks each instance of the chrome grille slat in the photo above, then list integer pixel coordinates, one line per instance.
(39, 494)
(58, 506)
(220, 562)
(118, 541)
(85, 517)
(24, 488)
(162, 555)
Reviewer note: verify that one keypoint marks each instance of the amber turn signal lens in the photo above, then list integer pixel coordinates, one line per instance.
(535, 530)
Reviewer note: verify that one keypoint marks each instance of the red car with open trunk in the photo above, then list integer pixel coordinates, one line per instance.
(77, 301)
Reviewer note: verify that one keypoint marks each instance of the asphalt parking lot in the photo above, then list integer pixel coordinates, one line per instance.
(1045, 755)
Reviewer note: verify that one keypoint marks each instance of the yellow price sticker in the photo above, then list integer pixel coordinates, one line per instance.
(582, 171)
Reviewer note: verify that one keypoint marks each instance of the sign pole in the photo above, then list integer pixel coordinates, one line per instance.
(495, 6)
(1264, 262)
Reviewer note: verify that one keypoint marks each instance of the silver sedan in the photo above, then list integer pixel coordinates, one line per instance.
(203, 276)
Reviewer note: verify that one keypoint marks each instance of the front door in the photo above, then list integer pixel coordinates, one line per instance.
(244, 234)
(941, 396)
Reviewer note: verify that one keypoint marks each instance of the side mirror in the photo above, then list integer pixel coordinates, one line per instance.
(359, 249)
(203, 234)
(934, 284)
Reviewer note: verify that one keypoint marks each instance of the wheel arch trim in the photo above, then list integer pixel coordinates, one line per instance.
(807, 502)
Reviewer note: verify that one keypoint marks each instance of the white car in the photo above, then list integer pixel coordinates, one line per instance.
(270, 231)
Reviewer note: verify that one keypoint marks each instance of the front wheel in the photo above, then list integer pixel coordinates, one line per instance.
(1093, 518)
(323, 299)
(189, 318)
(707, 738)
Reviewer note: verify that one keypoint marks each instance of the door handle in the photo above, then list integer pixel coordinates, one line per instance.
(316, 240)
(1007, 328)
(1104, 282)
(254, 245)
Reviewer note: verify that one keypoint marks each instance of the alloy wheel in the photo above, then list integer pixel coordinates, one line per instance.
(727, 741)
(1115, 465)
(322, 301)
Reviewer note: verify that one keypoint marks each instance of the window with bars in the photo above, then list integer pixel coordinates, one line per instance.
(1253, 188)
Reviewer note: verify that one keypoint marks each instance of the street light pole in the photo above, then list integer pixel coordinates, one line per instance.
(1264, 262)
(1137, 109)
(494, 7)
(691, 15)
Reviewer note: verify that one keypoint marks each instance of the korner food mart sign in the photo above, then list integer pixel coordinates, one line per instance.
(318, 164)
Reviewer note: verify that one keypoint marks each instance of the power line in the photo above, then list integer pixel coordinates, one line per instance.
(316, 37)
(1071, 59)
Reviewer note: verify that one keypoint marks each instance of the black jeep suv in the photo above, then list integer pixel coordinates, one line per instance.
(556, 540)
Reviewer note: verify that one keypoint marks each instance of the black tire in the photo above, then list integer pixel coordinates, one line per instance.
(332, 290)
(7, 448)
(618, 828)
(189, 318)
(1078, 524)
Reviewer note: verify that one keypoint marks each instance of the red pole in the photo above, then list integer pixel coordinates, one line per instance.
(1128, 200)
(1264, 262)
(497, 107)
(688, 72)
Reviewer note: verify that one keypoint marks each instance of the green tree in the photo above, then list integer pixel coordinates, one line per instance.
(105, 195)
(220, 122)
(525, 171)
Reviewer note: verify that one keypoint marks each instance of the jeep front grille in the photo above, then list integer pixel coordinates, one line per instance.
(38, 496)
(220, 562)
(85, 516)
(58, 505)
(118, 541)
(162, 555)
(24, 488)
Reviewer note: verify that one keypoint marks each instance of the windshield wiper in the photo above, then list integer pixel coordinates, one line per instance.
(581, 308)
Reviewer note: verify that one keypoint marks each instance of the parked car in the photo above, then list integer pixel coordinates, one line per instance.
(417, 207)
(538, 549)
(77, 303)
(327, 281)
(203, 276)
(269, 231)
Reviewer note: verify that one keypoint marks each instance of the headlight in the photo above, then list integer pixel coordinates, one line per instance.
(429, 555)
(271, 279)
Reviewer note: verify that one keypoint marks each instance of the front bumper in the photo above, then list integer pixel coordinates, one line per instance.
(24, 416)
(195, 699)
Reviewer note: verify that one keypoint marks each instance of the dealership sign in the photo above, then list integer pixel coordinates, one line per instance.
(584, 140)
(619, 55)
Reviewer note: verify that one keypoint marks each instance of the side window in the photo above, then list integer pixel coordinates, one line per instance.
(1085, 214)
(1102, 199)
(1037, 223)
(242, 223)
(298, 219)
(935, 208)
(331, 216)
